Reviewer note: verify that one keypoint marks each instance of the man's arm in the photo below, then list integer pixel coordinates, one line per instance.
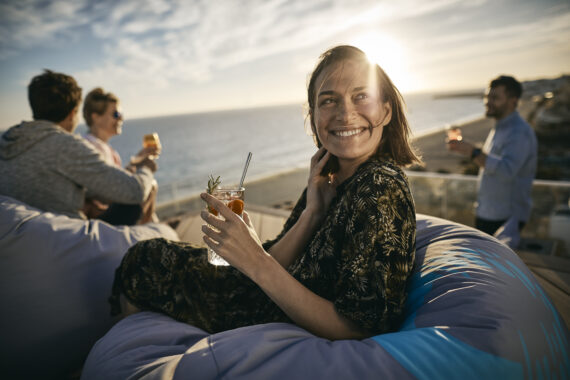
(81, 163)
(512, 158)
(469, 150)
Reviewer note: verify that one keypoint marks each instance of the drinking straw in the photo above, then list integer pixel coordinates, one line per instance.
(245, 169)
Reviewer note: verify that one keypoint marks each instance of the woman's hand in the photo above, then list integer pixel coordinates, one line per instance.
(320, 191)
(319, 195)
(145, 157)
(149, 153)
(236, 240)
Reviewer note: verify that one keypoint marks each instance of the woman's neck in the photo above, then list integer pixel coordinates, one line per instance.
(100, 134)
(347, 169)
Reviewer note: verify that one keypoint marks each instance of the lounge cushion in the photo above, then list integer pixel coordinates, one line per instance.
(55, 278)
(474, 311)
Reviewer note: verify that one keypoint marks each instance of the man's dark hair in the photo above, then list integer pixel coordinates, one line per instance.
(512, 86)
(53, 96)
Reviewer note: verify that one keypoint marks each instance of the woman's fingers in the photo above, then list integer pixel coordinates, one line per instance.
(319, 160)
(145, 152)
(211, 219)
(211, 243)
(219, 228)
(317, 168)
(321, 164)
(318, 156)
(214, 234)
(246, 219)
(218, 205)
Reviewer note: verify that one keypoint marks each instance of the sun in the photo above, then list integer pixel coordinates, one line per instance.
(390, 55)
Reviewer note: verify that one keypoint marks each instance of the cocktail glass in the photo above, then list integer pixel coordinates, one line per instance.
(233, 198)
(151, 140)
(454, 133)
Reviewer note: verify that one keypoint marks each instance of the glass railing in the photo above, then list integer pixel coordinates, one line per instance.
(453, 196)
(448, 196)
(173, 197)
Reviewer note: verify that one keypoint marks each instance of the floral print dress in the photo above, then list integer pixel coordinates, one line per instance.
(360, 259)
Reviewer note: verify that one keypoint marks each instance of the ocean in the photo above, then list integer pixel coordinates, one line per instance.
(197, 145)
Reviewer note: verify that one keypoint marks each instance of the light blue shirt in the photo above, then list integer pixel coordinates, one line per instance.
(506, 181)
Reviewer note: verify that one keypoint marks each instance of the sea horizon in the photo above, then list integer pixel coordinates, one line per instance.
(456, 93)
(199, 144)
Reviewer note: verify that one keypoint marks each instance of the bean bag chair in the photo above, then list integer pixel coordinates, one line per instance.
(474, 311)
(56, 275)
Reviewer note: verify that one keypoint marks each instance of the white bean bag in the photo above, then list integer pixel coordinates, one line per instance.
(55, 278)
(474, 311)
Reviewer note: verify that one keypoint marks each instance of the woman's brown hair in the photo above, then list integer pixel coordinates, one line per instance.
(395, 142)
(97, 101)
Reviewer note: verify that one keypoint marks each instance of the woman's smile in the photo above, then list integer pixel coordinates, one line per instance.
(349, 132)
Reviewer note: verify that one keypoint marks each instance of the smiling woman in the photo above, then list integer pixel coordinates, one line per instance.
(340, 266)
(391, 55)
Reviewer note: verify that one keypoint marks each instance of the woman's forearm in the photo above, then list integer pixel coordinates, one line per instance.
(286, 250)
(308, 310)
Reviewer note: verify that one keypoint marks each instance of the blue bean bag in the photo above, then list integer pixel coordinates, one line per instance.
(474, 311)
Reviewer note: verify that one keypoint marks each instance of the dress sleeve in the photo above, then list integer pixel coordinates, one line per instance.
(378, 254)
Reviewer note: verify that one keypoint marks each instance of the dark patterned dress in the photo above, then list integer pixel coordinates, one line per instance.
(359, 259)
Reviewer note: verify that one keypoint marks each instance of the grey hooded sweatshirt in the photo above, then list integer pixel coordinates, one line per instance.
(51, 169)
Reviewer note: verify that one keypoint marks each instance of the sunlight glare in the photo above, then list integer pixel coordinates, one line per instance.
(390, 55)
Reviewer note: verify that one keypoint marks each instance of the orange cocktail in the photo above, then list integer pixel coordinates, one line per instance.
(454, 134)
(233, 198)
(151, 141)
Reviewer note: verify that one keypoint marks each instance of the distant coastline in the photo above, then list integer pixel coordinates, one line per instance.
(460, 94)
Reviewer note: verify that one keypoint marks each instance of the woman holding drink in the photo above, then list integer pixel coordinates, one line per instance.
(104, 120)
(340, 266)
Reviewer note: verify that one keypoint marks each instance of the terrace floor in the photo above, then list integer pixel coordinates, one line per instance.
(553, 274)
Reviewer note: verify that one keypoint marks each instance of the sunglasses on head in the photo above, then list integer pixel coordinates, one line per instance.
(117, 115)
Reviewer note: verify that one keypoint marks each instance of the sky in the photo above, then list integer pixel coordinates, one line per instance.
(163, 57)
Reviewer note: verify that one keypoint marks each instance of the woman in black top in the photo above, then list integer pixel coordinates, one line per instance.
(339, 267)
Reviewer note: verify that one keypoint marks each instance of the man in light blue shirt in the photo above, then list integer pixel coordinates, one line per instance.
(507, 164)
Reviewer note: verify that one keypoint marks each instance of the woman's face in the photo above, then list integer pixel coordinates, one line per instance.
(349, 115)
(110, 123)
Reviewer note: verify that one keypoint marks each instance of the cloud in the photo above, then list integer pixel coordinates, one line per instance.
(25, 24)
(187, 41)
(549, 30)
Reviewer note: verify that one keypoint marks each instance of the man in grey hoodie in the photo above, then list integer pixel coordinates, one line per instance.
(45, 165)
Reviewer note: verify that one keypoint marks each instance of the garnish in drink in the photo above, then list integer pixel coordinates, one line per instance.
(213, 185)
